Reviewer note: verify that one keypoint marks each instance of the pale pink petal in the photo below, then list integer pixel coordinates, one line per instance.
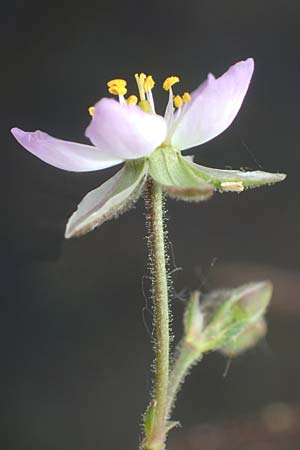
(63, 154)
(214, 105)
(125, 131)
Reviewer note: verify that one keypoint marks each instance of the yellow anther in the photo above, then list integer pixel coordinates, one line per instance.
(117, 82)
(178, 101)
(132, 100)
(140, 77)
(117, 87)
(117, 90)
(149, 83)
(186, 97)
(168, 83)
(91, 110)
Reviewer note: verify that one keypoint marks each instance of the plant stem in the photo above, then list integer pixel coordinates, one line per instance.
(156, 241)
(186, 358)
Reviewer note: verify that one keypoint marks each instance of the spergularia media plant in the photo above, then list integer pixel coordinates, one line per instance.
(129, 131)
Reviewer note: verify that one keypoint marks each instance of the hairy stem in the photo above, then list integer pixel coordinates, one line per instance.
(187, 357)
(156, 435)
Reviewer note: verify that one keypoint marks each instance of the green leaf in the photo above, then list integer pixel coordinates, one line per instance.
(176, 176)
(235, 180)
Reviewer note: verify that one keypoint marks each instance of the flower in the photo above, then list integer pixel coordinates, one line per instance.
(150, 145)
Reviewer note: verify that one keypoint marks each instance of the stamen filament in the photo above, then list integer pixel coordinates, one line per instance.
(150, 100)
(122, 99)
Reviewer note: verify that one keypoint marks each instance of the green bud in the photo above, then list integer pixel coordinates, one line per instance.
(244, 304)
(228, 313)
(245, 340)
(254, 299)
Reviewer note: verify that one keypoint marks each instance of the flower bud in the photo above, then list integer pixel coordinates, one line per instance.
(245, 340)
(229, 318)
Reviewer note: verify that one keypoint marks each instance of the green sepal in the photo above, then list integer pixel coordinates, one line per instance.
(109, 200)
(235, 180)
(176, 176)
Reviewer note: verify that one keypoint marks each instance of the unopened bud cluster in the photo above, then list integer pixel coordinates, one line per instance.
(230, 320)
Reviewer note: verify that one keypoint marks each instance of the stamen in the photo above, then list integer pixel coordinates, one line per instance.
(142, 76)
(91, 110)
(169, 113)
(117, 90)
(186, 97)
(132, 100)
(149, 83)
(117, 87)
(117, 82)
(169, 82)
(151, 101)
(178, 101)
(122, 99)
(140, 79)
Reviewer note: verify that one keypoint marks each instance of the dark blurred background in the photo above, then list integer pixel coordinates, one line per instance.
(75, 351)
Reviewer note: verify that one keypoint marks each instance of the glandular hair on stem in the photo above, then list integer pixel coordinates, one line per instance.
(149, 241)
(153, 244)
